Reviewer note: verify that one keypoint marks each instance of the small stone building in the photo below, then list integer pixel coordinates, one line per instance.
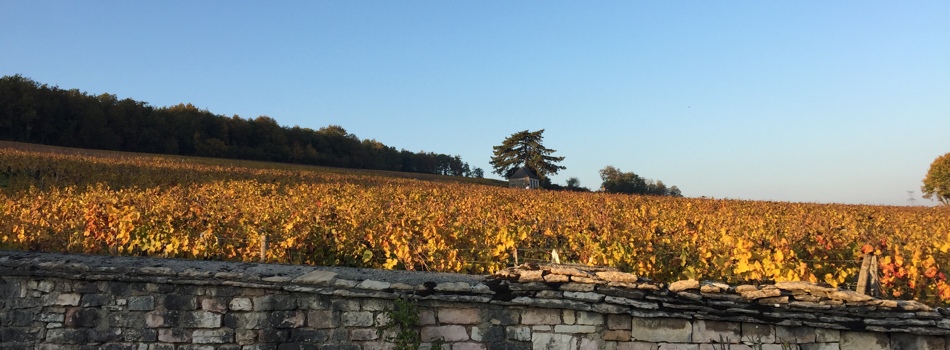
(524, 178)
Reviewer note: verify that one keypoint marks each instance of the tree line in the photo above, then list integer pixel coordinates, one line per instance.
(38, 113)
(525, 149)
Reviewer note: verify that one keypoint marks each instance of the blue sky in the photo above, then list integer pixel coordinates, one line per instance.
(807, 101)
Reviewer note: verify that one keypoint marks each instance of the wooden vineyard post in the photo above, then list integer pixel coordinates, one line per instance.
(868, 282)
(263, 248)
(514, 252)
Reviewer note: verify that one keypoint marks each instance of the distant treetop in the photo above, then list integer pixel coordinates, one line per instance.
(937, 182)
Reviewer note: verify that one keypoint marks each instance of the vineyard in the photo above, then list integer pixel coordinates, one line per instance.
(67, 200)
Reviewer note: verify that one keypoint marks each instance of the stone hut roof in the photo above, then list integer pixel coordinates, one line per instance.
(523, 172)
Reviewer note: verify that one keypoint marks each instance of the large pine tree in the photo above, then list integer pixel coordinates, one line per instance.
(524, 149)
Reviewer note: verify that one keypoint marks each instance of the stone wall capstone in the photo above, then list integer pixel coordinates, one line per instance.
(59, 301)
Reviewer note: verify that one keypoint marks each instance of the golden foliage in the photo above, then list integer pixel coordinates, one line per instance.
(213, 209)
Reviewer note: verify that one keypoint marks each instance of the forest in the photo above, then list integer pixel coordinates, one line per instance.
(37, 113)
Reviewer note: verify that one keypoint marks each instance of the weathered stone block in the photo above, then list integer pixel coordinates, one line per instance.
(323, 319)
(795, 335)
(126, 320)
(680, 286)
(468, 346)
(49, 317)
(590, 318)
(200, 319)
(667, 346)
(103, 336)
(541, 316)
(585, 296)
(273, 335)
(449, 333)
(258, 347)
(705, 331)
(67, 299)
(161, 347)
(357, 319)
(89, 300)
(819, 346)
(636, 345)
(337, 347)
(519, 333)
(492, 334)
(174, 335)
(313, 302)
(363, 334)
(378, 345)
(376, 305)
(139, 335)
(241, 304)
(253, 320)
(618, 321)
(119, 346)
(216, 305)
(919, 342)
(65, 336)
(823, 335)
(591, 344)
(373, 285)
(616, 335)
(81, 317)
(563, 328)
(577, 287)
(568, 317)
(10, 334)
(274, 302)
(459, 316)
(27, 302)
(245, 337)
(504, 317)
(287, 319)
(556, 278)
(758, 333)
(426, 317)
(156, 319)
(195, 347)
(549, 341)
(864, 341)
(640, 304)
(179, 302)
(212, 336)
(662, 329)
(316, 277)
(303, 335)
(344, 305)
(616, 276)
(141, 303)
(19, 318)
(510, 345)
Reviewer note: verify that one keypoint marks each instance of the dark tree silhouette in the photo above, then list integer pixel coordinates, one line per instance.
(524, 149)
(35, 113)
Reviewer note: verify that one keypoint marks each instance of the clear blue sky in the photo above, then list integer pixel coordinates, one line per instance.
(811, 101)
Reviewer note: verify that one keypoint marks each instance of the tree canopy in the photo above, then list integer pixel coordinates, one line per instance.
(937, 182)
(524, 149)
(616, 181)
(35, 113)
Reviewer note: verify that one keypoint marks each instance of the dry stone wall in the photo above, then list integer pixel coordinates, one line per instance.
(55, 301)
